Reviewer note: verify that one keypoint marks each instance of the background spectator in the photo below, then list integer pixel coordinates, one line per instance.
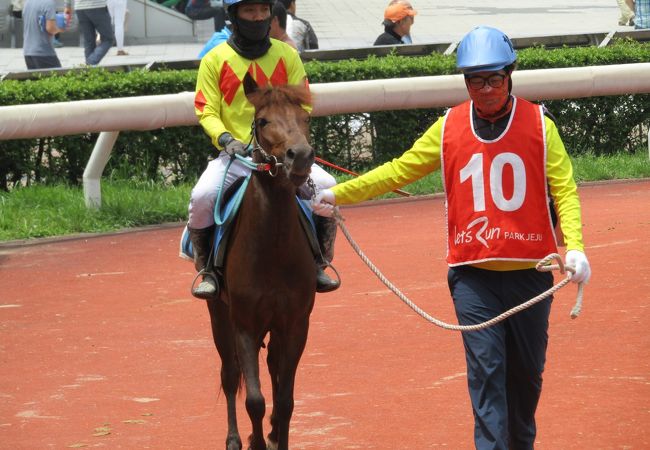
(56, 41)
(279, 24)
(398, 19)
(17, 8)
(642, 14)
(627, 12)
(178, 5)
(206, 9)
(300, 31)
(117, 10)
(39, 26)
(93, 18)
(217, 38)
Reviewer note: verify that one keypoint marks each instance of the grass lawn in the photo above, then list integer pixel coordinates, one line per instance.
(42, 211)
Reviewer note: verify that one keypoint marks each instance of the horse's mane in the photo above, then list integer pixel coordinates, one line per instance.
(294, 94)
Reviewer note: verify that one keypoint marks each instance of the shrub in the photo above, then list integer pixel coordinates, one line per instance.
(600, 125)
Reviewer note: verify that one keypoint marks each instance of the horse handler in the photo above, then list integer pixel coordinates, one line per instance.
(500, 158)
(226, 116)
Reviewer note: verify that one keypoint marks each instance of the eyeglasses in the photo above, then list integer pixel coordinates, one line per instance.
(477, 82)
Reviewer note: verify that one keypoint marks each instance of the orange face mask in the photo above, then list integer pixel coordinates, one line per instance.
(490, 102)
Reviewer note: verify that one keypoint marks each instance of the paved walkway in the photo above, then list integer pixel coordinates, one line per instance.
(350, 24)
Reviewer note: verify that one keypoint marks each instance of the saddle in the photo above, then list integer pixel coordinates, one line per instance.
(225, 215)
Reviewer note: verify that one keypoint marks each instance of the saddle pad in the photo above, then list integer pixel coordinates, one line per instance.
(229, 212)
(223, 218)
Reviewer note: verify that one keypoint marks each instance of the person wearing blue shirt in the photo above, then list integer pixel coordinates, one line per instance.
(217, 38)
(642, 14)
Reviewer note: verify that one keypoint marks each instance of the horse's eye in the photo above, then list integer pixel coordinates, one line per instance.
(262, 122)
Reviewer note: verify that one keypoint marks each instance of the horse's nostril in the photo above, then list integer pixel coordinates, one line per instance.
(291, 154)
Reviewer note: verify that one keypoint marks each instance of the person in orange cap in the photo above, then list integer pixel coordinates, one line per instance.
(398, 19)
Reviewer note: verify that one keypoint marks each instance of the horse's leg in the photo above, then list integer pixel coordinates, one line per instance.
(292, 345)
(248, 354)
(224, 340)
(272, 362)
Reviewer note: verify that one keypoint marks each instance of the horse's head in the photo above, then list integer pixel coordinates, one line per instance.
(282, 127)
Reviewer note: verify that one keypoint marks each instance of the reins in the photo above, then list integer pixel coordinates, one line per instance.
(543, 266)
(269, 164)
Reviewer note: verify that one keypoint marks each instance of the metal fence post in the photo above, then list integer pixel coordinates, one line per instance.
(93, 172)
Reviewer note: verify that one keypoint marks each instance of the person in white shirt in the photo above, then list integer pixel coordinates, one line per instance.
(117, 10)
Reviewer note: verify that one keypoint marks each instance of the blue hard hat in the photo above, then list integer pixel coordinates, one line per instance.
(484, 49)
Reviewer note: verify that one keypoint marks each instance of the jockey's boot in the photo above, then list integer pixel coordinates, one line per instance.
(326, 233)
(202, 246)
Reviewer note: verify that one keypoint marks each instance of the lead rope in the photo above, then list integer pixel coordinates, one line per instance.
(543, 266)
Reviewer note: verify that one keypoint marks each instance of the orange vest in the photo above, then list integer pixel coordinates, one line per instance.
(496, 191)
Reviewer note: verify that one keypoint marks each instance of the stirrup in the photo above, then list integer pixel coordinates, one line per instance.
(324, 283)
(208, 288)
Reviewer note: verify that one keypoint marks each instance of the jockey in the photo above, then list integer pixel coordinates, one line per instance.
(226, 116)
(500, 156)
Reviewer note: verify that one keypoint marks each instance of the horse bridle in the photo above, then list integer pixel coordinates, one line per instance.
(269, 162)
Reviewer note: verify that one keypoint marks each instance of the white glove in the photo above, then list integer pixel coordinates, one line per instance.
(323, 203)
(578, 260)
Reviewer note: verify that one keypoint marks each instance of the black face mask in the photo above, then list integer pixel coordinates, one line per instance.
(254, 30)
(250, 38)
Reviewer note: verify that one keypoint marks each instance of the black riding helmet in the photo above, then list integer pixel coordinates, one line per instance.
(249, 38)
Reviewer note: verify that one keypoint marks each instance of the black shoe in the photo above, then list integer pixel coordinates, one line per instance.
(324, 283)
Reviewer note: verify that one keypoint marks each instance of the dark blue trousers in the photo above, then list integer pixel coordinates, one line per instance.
(91, 22)
(504, 362)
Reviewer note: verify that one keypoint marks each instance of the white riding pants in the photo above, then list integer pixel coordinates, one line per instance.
(204, 194)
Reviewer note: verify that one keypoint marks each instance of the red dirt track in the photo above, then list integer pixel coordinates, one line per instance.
(101, 344)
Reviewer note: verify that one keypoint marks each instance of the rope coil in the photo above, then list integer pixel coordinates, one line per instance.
(543, 266)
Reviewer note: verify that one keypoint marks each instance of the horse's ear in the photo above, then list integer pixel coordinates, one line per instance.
(250, 85)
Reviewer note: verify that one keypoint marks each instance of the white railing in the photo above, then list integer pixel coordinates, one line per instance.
(109, 116)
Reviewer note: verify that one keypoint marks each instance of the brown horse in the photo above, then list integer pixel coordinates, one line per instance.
(269, 276)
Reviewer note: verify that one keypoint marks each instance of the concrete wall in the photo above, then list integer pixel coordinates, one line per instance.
(151, 23)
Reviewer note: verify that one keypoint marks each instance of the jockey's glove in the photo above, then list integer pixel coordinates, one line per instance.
(232, 146)
(323, 203)
(578, 260)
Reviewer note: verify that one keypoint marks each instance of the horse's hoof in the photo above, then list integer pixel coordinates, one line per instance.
(257, 446)
(270, 445)
(233, 443)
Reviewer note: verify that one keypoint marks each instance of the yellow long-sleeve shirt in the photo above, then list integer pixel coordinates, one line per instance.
(220, 103)
(424, 157)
